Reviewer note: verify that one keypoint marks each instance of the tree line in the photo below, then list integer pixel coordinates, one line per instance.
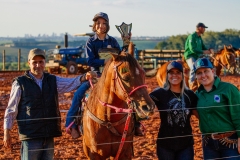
(214, 40)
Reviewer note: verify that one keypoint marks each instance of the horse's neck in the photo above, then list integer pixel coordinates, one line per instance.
(107, 96)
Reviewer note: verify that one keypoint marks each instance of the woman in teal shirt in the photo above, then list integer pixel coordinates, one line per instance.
(219, 113)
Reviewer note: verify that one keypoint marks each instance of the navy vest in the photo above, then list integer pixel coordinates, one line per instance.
(38, 110)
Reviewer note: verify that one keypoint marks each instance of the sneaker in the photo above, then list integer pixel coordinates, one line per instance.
(138, 132)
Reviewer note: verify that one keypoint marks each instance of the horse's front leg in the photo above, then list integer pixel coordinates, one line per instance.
(91, 155)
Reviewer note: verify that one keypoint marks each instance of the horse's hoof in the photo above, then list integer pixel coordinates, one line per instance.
(138, 132)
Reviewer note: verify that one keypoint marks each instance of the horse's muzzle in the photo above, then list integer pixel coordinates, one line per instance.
(143, 111)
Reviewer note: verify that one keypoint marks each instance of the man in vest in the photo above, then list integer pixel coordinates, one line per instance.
(194, 48)
(34, 103)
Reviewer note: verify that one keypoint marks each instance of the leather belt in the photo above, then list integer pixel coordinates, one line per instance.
(216, 136)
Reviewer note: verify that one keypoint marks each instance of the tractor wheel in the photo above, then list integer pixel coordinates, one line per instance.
(71, 68)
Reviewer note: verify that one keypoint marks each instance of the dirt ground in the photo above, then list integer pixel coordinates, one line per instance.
(68, 148)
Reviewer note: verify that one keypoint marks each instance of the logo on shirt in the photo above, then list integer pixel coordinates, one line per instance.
(217, 98)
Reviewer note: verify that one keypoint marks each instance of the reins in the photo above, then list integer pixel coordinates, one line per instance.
(130, 104)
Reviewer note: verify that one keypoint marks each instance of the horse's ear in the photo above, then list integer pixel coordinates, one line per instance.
(114, 56)
(131, 48)
(225, 47)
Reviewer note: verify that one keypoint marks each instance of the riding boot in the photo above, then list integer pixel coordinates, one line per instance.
(193, 85)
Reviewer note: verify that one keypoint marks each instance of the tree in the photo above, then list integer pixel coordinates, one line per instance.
(215, 40)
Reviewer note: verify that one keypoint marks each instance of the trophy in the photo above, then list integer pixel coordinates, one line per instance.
(125, 31)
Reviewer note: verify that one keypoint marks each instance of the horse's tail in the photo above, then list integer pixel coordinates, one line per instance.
(151, 73)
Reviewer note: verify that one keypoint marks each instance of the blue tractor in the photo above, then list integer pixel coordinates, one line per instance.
(72, 59)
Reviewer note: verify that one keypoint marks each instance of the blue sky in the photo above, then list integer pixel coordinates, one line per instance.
(149, 17)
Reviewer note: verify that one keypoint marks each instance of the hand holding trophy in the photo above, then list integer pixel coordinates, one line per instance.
(125, 31)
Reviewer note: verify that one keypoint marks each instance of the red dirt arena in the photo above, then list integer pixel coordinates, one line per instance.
(68, 148)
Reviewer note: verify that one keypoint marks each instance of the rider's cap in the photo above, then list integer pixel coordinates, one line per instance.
(176, 65)
(101, 15)
(201, 25)
(202, 63)
(36, 52)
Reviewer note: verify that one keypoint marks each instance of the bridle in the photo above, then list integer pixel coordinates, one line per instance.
(226, 69)
(130, 102)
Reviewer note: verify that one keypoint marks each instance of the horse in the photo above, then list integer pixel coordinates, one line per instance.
(161, 73)
(121, 88)
(225, 58)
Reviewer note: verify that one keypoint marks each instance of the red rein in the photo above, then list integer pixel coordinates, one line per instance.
(117, 110)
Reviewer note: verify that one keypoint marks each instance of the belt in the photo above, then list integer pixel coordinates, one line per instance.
(216, 136)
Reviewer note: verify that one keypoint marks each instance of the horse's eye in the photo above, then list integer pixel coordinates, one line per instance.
(126, 77)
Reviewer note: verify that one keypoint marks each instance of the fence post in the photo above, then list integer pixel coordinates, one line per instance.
(3, 60)
(142, 58)
(19, 59)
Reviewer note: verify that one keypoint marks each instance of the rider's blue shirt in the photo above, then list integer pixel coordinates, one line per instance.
(92, 47)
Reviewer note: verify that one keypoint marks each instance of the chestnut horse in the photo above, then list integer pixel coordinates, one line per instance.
(225, 59)
(161, 73)
(235, 50)
(121, 88)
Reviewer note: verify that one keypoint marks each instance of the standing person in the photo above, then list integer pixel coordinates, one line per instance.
(34, 103)
(101, 39)
(219, 109)
(194, 48)
(176, 104)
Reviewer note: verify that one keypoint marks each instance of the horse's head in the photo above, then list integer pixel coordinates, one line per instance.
(126, 84)
(237, 52)
(229, 57)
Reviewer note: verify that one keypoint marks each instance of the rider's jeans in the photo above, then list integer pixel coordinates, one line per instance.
(76, 103)
(190, 61)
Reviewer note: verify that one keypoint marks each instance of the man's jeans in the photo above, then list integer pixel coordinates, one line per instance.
(214, 149)
(76, 103)
(37, 149)
(184, 154)
(190, 61)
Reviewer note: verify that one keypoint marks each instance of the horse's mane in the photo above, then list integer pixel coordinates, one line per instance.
(228, 49)
(123, 57)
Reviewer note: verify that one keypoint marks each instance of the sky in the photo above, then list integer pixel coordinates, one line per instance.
(148, 17)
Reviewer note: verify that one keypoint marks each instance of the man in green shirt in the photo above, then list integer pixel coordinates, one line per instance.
(219, 113)
(194, 48)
